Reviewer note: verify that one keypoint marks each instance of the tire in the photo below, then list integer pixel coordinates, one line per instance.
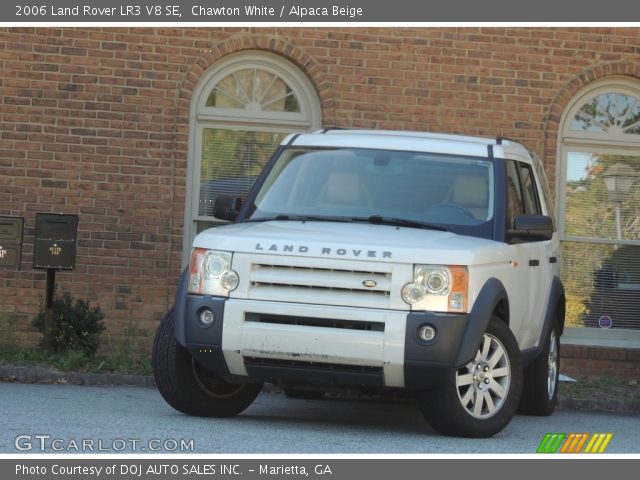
(541, 379)
(302, 394)
(187, 386)
(453, 407)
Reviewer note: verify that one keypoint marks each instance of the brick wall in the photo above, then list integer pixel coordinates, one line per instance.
(581, 361)
(94, 122)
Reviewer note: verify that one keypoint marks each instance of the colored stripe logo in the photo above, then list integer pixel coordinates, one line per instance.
(574, 443)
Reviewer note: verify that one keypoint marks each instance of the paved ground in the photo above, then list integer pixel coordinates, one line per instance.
(618, 397)
(117, 417)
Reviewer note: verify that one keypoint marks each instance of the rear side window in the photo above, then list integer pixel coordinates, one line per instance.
(544, 187)
(529, 190)
(515, 202)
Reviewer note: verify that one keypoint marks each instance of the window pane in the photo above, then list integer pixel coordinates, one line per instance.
(244, 81)
(291, 103)
(263, 80)
(529, 190)
(609, 112)
(602, 280)
(231, 161)
(220, 99)
(546, 192)
(279, 97)
(515, 206)
(599, 205)
(253, 89)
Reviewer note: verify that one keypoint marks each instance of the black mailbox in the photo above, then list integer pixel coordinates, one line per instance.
(55, 245)
(10, 242)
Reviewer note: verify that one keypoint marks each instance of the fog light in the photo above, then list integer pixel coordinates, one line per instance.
(426, 333)
(206, 317)
(230, 280)
(413, 293)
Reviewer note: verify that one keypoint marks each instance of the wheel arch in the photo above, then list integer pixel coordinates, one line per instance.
(493, 297)
(180, 306)
(556, 308)
(554, 315)
(561, 305)
(502, 310)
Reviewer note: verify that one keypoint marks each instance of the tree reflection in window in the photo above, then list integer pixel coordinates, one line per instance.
(609, 113)
(253, 89)
(601, 133)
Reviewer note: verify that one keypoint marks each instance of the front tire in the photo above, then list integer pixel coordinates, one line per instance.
(187, 386)
(480, 398)
(541, 379)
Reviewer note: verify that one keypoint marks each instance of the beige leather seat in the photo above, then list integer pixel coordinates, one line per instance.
(344, 187)
(472, 193)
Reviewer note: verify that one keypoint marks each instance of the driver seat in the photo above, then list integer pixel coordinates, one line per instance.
(472, 193)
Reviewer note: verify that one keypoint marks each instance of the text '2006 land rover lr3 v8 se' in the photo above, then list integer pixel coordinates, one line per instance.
(376, 259)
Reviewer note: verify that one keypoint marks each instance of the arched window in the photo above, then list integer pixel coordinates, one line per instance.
(241, 110)
(599, 204)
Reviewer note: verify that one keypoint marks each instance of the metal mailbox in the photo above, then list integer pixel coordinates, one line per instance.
(55, 245)
(10, 242)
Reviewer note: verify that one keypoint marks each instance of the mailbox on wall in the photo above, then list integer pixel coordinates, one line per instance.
(10, 242)
(55, 245)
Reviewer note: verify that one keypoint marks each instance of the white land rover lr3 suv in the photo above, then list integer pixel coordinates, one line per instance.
(376, 260)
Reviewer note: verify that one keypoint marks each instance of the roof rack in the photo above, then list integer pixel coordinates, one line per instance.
(500, 139)
(328, 129)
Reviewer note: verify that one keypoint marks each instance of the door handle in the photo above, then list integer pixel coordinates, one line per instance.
(534, 263)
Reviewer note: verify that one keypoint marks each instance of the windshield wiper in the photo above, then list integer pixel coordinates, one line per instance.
(398, 222)
(298, 218)
(375, 219)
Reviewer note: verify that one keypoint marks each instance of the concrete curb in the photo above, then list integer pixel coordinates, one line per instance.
(39, 374)
(606, 406)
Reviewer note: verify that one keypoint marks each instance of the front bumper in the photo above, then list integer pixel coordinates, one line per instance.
(320, 345)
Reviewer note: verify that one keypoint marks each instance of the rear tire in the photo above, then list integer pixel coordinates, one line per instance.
(187, 386)
(481, 398)
(541, 378)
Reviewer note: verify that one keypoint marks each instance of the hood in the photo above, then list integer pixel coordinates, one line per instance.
(354, 241)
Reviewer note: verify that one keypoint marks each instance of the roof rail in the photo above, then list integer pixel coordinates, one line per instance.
(328, 129)
(500, 139)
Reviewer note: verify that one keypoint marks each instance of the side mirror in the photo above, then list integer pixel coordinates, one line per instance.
(530, 228)
(227, 207)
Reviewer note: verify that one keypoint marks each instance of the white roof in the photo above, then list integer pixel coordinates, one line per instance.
(409, 141)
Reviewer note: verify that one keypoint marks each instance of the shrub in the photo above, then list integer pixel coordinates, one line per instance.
(76, 325)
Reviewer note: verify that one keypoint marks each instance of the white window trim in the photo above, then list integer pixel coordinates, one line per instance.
(570, 140)
(308, 119)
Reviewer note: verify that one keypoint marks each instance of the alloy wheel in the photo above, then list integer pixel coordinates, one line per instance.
(483, 384)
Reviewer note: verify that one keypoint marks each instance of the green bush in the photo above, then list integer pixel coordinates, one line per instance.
(76, 325)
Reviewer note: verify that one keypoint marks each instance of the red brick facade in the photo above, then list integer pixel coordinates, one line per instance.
(95, 122)
(580, 361)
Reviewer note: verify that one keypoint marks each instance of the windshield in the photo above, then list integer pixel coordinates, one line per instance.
(363, 183)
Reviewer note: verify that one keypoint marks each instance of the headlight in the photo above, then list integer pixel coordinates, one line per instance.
(437, 280)
(437, 288)
(214, 264)
(210, 273)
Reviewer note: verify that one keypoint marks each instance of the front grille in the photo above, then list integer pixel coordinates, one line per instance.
(336, 367)
(313, 373)
(313, 284)
(315, 322)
